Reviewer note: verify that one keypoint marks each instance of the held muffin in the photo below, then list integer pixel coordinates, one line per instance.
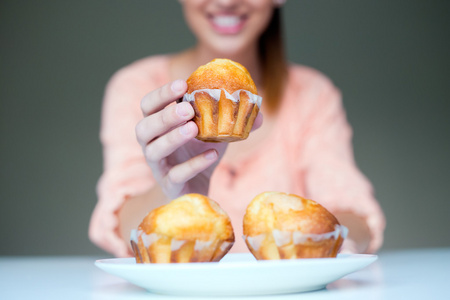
(286, 226)
(225, 101)
(191, 228)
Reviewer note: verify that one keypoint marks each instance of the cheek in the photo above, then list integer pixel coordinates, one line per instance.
(194, 19)
(261, 20)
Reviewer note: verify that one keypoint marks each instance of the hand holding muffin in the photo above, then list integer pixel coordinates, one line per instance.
(180, 163)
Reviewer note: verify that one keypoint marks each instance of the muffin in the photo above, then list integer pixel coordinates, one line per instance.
(225, 101)
(286, 226)
(191, 228)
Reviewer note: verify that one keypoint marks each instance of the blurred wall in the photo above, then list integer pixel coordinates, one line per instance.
(389, 58)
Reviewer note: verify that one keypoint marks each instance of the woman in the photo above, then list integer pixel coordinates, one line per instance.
(303, 146)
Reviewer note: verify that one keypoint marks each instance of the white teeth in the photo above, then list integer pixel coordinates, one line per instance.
(226, 21)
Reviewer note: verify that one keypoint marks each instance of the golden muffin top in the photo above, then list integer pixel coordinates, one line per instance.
(286, 212)
(189, 217)
(221, 74)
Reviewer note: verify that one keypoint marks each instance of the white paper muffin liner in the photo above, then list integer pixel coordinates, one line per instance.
(215, 94)
(212, 250)
(294, 238)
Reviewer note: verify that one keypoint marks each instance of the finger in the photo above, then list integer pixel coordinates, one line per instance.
(168, 143)
(258, 121)
(159, 98)
(183, 172)
(163, 121)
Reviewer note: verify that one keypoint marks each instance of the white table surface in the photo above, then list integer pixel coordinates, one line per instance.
(407, 274)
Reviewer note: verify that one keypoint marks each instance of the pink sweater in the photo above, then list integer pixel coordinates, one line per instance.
(309, 153)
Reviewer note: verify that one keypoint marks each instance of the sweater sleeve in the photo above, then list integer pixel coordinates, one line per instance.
(126, 172)
(331, 174)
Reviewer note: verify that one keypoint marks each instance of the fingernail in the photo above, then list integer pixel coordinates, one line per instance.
(183, 110)
(184, 130)
(178, 86)
(211, 155)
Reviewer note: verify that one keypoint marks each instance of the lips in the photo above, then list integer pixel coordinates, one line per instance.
(227, 24)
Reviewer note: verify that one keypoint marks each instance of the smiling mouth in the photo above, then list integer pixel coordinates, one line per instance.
(227, 24)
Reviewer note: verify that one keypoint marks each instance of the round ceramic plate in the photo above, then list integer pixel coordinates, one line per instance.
(236, 274)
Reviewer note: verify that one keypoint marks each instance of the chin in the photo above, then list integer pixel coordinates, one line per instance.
(230, 47)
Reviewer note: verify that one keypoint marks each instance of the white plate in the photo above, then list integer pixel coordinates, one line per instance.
(236, 274)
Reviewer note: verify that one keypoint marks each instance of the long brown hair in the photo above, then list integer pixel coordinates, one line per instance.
(273, 61)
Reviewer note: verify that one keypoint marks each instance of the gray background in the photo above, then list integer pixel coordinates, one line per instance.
(390, 59)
